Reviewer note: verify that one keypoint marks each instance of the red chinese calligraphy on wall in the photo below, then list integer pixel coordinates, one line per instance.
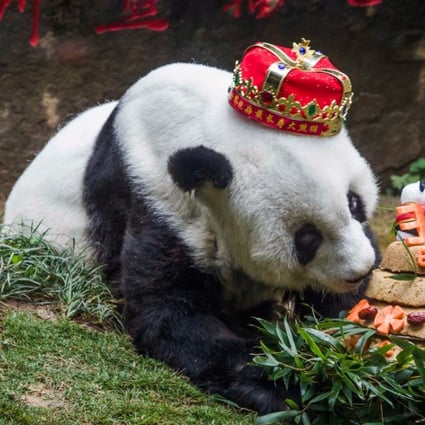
(34, 38)
(364, 3)
(138, 14)
(264, 8)
(259, 8)
(143, 13)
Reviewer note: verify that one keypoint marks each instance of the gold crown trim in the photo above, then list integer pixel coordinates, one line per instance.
(307, 58)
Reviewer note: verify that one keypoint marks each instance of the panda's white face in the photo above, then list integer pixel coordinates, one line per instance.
(294, 216)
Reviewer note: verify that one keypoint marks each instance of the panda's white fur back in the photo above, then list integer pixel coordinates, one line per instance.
(281, 181)
(49, 192)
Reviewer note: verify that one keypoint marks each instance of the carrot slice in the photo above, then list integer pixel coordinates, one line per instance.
(397, 325)
(398, 312)
(383, 328)
(353, 314)
(382, 320)
(390, 318)
(390, 352)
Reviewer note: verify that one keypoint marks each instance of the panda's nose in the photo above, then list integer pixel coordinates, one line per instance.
(359, 278)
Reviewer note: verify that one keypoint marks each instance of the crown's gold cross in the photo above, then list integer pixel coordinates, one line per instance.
(303, 52)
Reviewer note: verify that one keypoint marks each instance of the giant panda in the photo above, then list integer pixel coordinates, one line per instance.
(204, 219)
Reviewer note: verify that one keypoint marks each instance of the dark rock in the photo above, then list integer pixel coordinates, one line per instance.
(73, 68)
(392, 142)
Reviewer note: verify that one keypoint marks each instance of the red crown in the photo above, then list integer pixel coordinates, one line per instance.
(296, 90)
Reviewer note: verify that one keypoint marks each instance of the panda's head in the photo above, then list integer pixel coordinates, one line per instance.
(289, 212)
(285, 210)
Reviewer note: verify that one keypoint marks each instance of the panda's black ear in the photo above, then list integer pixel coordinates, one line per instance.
(191, 168)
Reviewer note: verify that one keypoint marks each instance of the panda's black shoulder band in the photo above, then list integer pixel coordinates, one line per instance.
(192, 167)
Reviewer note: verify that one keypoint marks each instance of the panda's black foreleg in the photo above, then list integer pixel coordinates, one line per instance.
(173, 313)
(205, 350)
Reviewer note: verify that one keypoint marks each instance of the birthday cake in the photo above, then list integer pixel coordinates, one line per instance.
(395, 301)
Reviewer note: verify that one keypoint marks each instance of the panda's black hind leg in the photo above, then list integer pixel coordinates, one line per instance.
(173, 313)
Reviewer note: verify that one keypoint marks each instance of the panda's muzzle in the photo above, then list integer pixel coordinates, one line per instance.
(359, 279)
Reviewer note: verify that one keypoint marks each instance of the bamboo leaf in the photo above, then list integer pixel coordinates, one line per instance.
(277, 417)
(419, 362)
(334, 394)
(305, 419)
(290, 349)
(320, 397)
(323, 337)
(292, 404)
(403, 276)
(267, 327)
(289, 335)
(348, 394)
(378, 392)
(363, 341)
(312, 344)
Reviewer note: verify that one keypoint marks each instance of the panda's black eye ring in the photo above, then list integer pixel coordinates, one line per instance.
(307, 240)
(356, 206)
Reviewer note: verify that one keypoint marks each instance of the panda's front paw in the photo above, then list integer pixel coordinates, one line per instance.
(251, 389)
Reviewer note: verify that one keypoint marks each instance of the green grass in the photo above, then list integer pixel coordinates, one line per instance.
(64, 370)
(89, 377)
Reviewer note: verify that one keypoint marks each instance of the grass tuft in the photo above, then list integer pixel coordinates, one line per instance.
(33, 269)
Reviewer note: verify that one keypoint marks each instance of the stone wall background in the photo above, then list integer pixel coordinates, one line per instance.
(382, 49)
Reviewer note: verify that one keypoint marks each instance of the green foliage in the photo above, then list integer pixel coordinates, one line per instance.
(338, 386)
(32, 268)
(416, 172)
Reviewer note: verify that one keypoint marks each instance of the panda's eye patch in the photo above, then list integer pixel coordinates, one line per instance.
(355, 204)
(307, 240)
